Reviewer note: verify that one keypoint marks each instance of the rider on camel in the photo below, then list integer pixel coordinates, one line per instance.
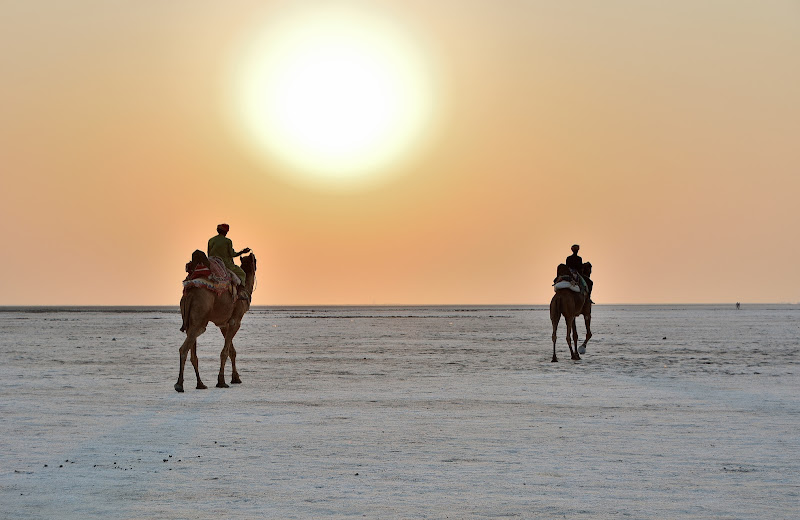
(575, 263)
(222, 247)
(587, 273)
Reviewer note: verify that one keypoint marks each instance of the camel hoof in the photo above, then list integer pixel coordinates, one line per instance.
(201, 386)
(582, 349)
(576, 357)
(222, 385)
(554, 360)
(178, 387)
(236, 381)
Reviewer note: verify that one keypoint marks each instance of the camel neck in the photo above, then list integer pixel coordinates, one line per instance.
(250, 282)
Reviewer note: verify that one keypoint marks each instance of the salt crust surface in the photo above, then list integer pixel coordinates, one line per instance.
(443, 412)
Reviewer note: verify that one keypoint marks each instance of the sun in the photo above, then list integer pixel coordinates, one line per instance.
(337, 95)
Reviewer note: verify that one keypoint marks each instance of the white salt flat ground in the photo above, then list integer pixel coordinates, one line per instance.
(446, 412)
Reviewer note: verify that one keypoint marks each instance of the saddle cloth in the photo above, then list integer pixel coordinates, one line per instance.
(573, 282)
(566, 284)
(216, 278)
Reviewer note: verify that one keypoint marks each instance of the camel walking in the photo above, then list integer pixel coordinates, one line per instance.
(198, 307)
(571, 304)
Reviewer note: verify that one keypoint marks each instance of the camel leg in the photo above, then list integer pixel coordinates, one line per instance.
(235, 380)
(570, 326)
(576, 355)
(196, 365)
(555, 319)
(191, 339)
(588, 321)
(223, 358)
(230, 331)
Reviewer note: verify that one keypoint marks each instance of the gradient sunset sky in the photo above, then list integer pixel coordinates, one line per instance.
(661, 136)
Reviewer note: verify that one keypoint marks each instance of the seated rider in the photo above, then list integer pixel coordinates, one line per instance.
(576, 265)
(575, 262)
(587, 273)
(222, 247)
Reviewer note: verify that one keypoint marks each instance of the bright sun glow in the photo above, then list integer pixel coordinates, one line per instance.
(335, 94)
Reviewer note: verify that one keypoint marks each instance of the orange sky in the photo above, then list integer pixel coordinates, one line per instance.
(661, 136)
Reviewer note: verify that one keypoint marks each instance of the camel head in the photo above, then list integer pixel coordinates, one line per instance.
(249, 263)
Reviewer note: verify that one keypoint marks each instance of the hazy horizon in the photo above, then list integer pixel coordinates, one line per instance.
(456, 306)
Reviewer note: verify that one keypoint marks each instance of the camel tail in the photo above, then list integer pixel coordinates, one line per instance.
(184, 314)
(555, 309)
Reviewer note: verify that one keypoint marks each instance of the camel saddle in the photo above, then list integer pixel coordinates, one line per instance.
(567, 278)
(210, 273)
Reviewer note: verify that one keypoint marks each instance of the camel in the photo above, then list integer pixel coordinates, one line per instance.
(570, 304)
(198, 307)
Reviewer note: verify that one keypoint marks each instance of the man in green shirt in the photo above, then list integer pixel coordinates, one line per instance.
(222, 247)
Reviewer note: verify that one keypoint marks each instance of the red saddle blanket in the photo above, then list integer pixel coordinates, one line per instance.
(214, 277)
(201, 271)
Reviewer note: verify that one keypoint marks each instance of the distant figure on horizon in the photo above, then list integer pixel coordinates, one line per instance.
(738, 305)
(222, 247)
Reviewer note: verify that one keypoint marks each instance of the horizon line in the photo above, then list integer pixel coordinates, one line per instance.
(353, 305)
